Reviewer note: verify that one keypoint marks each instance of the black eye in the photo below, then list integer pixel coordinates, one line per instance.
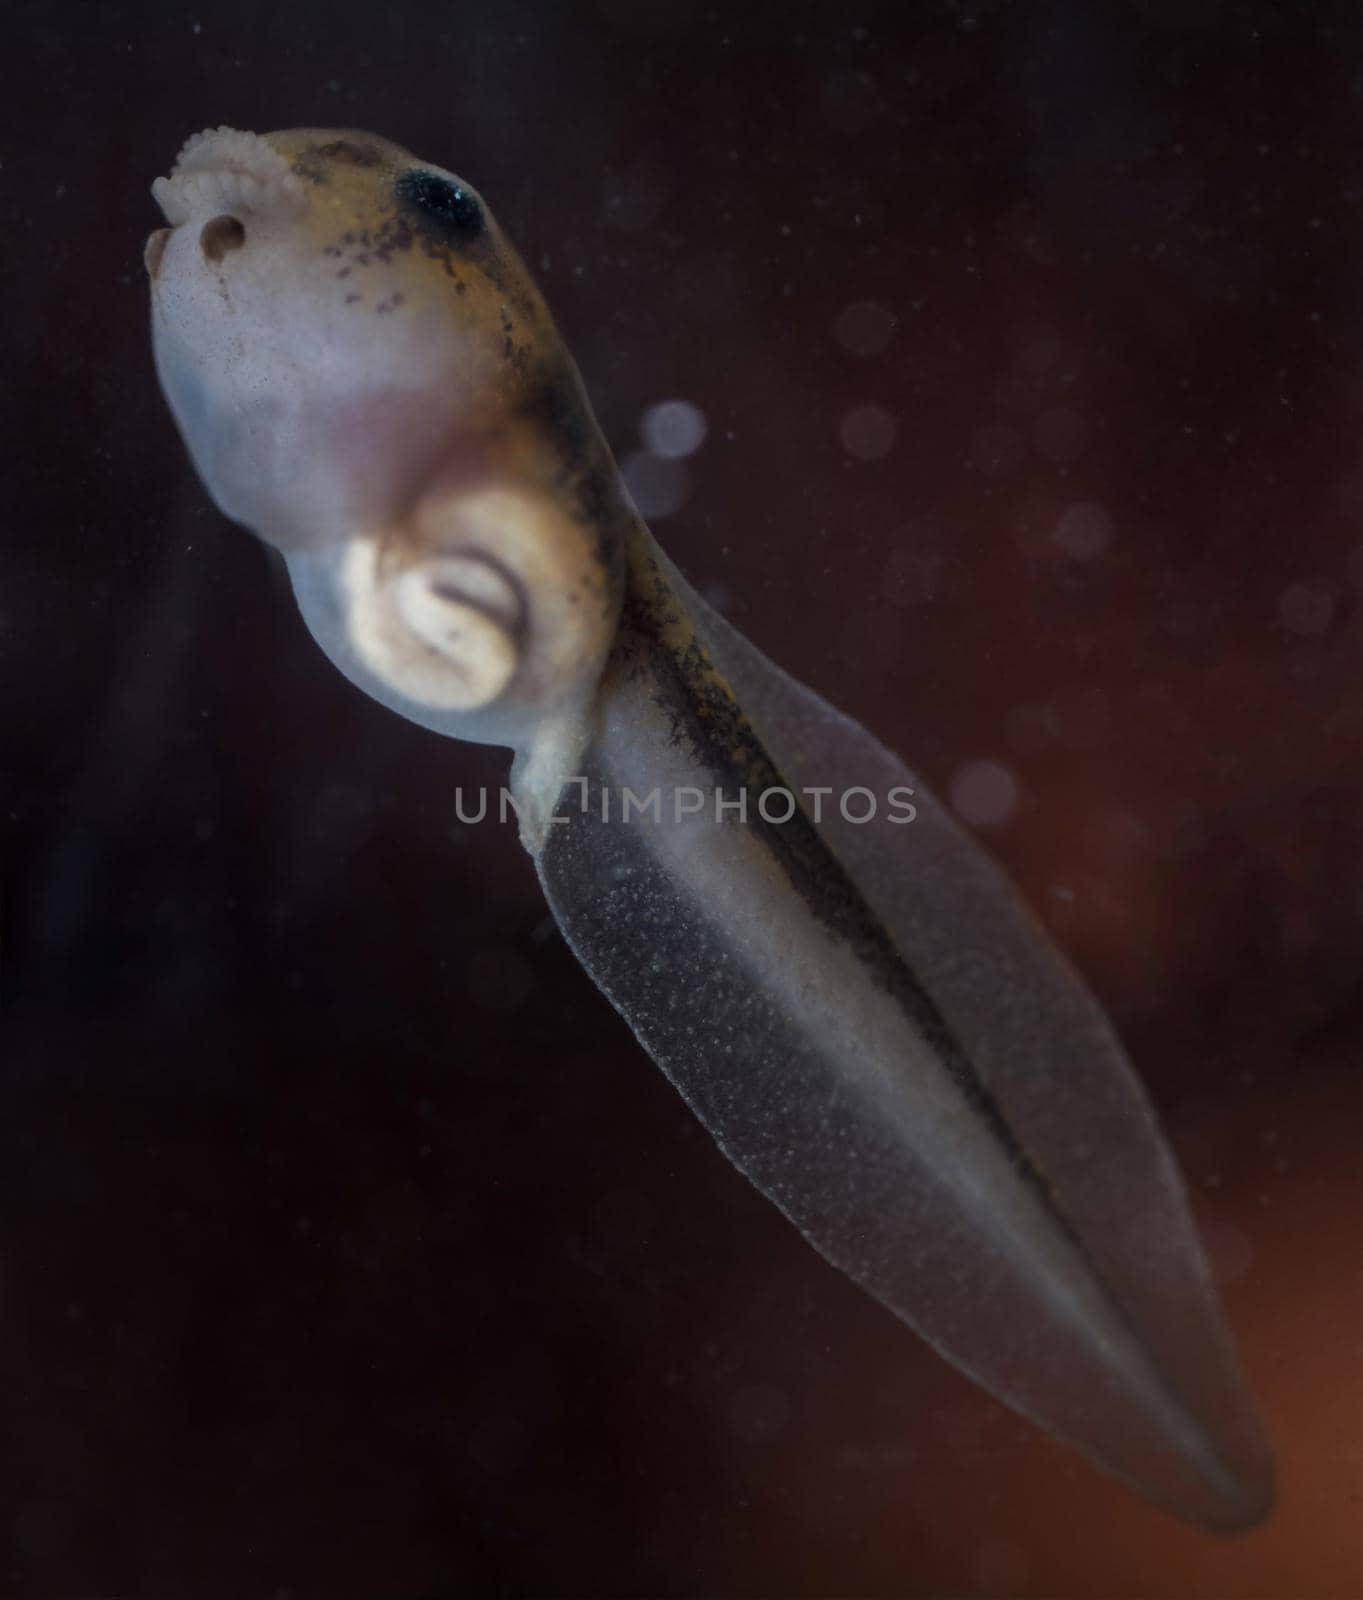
(455, 209)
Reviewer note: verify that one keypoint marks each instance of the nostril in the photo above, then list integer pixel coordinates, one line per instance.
(156, 248)
(220, 237)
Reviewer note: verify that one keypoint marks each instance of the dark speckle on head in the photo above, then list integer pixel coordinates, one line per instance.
(436, 200)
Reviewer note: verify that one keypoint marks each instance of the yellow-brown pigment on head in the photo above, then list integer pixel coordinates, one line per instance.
(399, 233)
(373, 205)
(367, 376)
(327, 303)
(318, 231)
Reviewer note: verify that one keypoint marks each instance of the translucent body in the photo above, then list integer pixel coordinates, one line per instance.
(863, 1014)
(1036, 1230)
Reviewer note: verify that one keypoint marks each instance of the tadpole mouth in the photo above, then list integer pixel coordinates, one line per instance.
(226, 172)
(221, 237)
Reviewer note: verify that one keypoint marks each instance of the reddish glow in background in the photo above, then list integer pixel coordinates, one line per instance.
(348, 1243)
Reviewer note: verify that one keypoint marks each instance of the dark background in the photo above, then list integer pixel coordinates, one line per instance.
(348, 1243)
